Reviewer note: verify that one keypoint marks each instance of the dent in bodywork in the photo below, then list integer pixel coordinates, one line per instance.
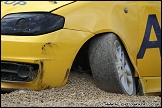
(66, 75)
(50, 45)
(41, 83)
(41, 71)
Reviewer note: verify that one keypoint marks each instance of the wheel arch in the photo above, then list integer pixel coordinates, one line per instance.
(85, 44)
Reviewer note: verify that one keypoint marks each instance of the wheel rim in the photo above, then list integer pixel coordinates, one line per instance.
(123, 68)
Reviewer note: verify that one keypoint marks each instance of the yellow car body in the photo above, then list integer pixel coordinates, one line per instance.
(55, 52)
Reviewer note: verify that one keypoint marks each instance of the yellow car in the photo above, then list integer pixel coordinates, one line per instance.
(118, 42)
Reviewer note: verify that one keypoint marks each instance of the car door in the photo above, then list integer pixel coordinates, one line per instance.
(149, 38)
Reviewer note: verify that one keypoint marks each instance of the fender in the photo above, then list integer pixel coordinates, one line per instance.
(152, 21)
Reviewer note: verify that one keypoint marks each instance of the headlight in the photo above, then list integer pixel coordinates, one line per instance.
(32, 23)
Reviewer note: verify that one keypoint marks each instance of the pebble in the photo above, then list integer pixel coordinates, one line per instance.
(80, 91)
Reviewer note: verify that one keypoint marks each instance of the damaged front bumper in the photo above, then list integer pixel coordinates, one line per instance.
(19, 75)
(18, 72)
(39, 62)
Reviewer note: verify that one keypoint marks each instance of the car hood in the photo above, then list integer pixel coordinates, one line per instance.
(29, 6)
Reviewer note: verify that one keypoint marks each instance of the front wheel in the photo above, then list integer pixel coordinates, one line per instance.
(111, 68)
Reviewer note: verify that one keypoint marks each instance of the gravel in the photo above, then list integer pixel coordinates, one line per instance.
(80, 91)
